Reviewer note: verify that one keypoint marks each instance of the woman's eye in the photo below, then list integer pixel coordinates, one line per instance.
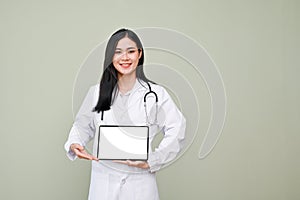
(131, 51)
(118, 52)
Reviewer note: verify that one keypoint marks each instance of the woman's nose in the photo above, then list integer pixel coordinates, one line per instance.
(124, 55)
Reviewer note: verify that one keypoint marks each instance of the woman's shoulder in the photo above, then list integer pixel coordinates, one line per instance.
(93, 91)
(154, 86)
(159, 89)
(95, 87)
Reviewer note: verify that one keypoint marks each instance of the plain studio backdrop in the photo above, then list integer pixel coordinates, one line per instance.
(255, 45)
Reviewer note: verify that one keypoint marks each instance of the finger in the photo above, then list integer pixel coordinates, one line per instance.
(83, 154)
(120, 161)
(134, 163)
(95, 158)
(131, 163)
(89, 156)
(139, 164)
(78, 153)
(77, 146)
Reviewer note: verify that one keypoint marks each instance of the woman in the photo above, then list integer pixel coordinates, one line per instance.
(119, 100)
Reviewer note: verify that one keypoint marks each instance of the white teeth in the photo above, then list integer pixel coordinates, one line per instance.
(126, 64)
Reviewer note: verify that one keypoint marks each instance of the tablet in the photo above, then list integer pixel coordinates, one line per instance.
(123, 142)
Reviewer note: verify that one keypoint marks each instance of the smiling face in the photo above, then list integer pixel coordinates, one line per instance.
(126, 57)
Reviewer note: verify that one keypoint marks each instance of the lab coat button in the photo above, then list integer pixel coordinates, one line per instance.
(123, 181)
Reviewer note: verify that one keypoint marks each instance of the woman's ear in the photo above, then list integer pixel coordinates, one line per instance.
(140, 53)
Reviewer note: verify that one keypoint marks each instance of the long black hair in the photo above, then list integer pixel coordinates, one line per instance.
(109, 77)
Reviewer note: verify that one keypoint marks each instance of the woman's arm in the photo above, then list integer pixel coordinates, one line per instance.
(83, 128)
(174, 124)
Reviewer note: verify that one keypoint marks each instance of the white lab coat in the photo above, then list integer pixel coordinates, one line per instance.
(114, 181)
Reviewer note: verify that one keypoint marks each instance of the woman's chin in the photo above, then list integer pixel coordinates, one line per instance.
(126, 71)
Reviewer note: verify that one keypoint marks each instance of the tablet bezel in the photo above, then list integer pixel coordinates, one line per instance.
(133, 159)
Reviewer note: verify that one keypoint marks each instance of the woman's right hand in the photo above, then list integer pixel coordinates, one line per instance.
(81, 152)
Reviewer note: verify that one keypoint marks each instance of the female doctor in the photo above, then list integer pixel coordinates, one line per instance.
(120, 99)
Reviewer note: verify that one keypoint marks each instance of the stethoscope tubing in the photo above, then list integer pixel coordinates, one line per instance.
(145, 103)
(150, 92)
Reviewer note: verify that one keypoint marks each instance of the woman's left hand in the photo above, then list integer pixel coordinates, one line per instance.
(139, 164)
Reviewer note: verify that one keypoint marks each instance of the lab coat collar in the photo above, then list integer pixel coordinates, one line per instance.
(139, 85)
(142, 86)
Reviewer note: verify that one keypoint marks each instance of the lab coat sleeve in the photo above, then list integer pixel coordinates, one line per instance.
(83, 128)
(173, 124)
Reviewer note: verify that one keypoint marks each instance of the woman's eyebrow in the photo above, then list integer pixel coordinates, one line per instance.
(117, 48)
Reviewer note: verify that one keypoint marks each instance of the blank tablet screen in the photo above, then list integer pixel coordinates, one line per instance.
(123, 142)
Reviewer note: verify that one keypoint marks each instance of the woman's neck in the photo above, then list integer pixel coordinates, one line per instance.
(126, 83)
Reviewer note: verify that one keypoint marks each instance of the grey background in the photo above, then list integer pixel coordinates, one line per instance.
(255, 44)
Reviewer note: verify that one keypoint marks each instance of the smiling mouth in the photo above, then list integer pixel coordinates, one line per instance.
(125, 65)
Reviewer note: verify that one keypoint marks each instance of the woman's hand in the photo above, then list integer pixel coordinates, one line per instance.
(138, 164)
(81, 152)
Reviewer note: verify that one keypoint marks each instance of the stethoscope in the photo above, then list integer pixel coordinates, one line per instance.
(148, 121)
(145, 106)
